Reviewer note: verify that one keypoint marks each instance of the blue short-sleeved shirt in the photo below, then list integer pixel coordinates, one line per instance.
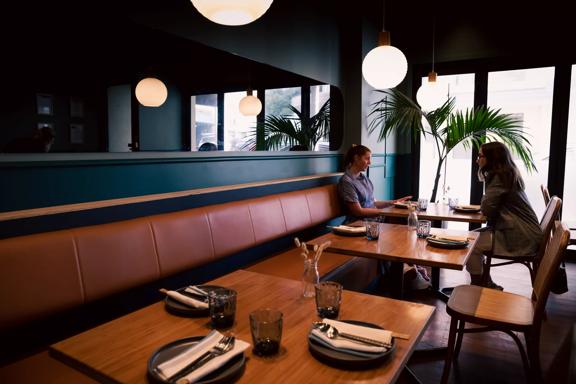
(353, 189)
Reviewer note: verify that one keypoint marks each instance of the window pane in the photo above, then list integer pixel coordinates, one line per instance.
(569, 202)
(458, 163)
(527, 93)
(237, 127)
(319, 95)
(204, 122)
(278, 101)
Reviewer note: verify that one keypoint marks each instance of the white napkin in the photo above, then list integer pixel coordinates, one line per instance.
(381, 335)
(170, 367)
(189, 301)
(468, 206)
(346, 228)
(462, 239)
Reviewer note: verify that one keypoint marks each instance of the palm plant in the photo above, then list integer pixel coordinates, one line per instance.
(281, 131)
(396, 112)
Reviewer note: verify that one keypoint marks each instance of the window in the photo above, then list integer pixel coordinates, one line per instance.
(569, 202)
(278, 101)
(237, 127)
(528, 94)
(204, 121)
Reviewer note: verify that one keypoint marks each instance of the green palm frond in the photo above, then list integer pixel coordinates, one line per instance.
(395, 112)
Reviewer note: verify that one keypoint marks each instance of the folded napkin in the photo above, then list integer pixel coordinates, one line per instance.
(189, 301)
(195, 290)
(350, 346)
(170, 367)
(346, 228)
(460, 239)
(468, 207)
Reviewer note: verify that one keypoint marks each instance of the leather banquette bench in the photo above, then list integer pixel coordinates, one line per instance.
(49, 274)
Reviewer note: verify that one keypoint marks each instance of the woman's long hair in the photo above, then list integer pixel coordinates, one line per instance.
(355, 150)
(499, 162)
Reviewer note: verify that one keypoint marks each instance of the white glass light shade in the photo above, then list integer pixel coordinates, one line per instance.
(250, 105)
(432, 94)
(232, 12)
(385, 66)
(151, 92)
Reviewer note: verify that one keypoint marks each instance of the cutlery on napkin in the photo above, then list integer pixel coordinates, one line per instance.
(186, 300)
(171, 367)
(468, 207)
(350, 346)
(196, 291)
(346, 228)
(458, 239)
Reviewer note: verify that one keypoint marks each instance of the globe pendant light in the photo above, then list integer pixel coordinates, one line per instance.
(151, 92)
(250, 105)
(432, 93)
(232, 12)
(384, 66)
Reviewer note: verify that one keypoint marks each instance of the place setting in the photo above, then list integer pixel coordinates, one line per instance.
(346, 344)
(348, 230)
(467, 208)
(189, 301)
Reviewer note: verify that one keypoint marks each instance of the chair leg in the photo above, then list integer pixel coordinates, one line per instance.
(486, 269)
(459, 337)
(449, 351)
(533, 347)
(525, 361)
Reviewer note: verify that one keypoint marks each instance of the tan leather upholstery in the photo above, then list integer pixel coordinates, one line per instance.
(231, 228)
(183, 240)
(323, 204)
(115, 257)
(267, 219)
(296, 212)
(39, 276)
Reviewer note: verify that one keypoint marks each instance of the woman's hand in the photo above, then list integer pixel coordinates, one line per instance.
(401, 200)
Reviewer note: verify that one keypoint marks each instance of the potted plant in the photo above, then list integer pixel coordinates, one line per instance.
(298, 132)
(397, 112)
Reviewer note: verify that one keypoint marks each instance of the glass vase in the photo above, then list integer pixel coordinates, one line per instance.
(310, 277)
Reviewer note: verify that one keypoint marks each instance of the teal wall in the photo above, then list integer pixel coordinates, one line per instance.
(45, 183)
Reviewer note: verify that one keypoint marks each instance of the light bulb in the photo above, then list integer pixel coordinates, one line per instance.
(432, 94)
(384, 66)
(151, 92)
(232, 12)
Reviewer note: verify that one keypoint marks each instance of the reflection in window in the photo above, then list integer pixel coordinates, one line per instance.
(527, 93)
(278, 101)
(237, 127)
(204, 111)
(456, 178)
(319, 94)
(569, 202)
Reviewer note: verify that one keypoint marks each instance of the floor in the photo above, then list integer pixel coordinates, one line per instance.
(493, 357)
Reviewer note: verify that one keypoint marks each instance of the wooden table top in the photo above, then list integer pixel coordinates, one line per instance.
(437, 212)
(119, 350)
(400, 244)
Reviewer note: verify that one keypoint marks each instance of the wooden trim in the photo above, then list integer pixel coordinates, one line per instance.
(27, 213)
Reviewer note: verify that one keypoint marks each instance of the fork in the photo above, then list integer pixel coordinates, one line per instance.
(224, 345)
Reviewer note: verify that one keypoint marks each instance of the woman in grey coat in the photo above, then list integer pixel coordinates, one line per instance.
(516, 228)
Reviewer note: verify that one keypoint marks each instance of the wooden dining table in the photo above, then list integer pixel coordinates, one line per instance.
(436, 212)
(399, 244)
(118, 351)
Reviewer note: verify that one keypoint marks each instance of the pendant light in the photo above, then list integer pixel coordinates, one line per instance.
(232, 12)
(151, 92)
(250, 105)
(432, 93)
(384, 66)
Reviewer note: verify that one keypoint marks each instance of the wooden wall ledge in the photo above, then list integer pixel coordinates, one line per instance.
(27, 213)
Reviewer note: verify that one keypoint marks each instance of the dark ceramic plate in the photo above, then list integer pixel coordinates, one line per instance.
(467, 210)
(227, 373)
(179, 309)
(343, 360)
(446, 244)
(341, 232)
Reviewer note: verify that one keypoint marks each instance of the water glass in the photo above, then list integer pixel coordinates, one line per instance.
(328, 299)
(222, 304)
(453, 202)
(372, 229)
(423, 229)
(422, 204)
(266, 329)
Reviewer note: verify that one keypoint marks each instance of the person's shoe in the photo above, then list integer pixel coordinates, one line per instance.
(423, 271)
(477, 280)
(493, 285)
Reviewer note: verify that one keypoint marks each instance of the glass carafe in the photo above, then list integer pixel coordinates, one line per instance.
(310, 277)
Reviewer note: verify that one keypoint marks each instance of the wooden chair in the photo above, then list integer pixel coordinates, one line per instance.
(507, 312)
(531, 262)
(545, 194)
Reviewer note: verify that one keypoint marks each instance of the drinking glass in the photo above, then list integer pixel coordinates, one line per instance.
(423, 229)
(328, 298)
(222, 304)
(453, 202)
(266, 329)
(422, 204)
(372, 229)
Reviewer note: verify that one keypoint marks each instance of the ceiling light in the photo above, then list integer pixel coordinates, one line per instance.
(232, 12)
(151, 92)
(250, 105)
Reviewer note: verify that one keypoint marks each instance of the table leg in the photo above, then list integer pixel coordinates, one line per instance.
(397, 279)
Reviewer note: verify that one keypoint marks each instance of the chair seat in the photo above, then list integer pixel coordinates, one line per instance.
(490, 307)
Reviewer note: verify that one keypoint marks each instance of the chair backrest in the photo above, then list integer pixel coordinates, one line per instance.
(545, 194)
(547, 223)
(549, 265)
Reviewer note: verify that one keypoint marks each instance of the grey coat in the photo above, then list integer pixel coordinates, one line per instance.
(517, 230)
